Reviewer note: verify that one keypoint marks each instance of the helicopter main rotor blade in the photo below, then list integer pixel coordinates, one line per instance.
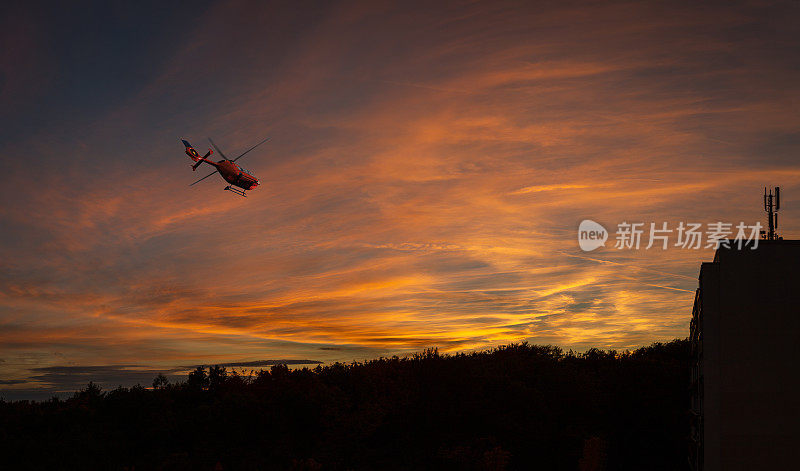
(198, 181)
(217, 149)
(248, 150)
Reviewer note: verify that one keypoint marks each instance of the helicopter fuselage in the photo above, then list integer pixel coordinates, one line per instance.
(236, 175)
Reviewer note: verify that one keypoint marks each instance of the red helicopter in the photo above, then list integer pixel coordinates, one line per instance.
(230, 171)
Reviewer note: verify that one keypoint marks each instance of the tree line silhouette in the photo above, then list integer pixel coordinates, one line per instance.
(519, 406)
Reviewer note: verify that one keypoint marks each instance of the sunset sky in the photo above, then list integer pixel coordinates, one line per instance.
(428, 167)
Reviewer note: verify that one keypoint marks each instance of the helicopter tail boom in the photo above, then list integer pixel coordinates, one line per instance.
(195, 156)
(204, 159)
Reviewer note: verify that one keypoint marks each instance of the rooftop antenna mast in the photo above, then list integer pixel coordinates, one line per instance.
(772, 203)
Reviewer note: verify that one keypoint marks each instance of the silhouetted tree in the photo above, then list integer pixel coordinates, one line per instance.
(506, 408)
(216, 376)
(198, 379)
(92, 392)
(160, 381)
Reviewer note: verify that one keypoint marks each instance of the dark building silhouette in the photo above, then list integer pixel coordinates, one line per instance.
(745, 336)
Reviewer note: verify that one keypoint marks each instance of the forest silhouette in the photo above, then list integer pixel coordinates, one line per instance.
(518, 406)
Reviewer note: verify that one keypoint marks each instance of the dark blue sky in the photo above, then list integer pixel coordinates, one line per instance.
(86, 58)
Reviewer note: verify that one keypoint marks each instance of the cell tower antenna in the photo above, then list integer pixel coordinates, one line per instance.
(772, 203)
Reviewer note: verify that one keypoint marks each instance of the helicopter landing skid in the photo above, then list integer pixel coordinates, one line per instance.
(236, 190)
